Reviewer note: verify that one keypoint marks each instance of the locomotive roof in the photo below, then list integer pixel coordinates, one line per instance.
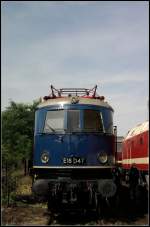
(140, 128)
(68, 100)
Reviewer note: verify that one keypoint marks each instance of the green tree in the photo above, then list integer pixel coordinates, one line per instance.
(17, 132)
(17, 144)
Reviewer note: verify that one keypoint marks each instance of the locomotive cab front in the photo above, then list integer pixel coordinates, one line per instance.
(74, 145)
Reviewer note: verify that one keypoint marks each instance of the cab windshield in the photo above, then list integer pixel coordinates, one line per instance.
(54, 121)
(73, 120)
(92, 121)
(76, 121)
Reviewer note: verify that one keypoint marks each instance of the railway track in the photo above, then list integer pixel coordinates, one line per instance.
(36, 214)
(90, 219)
(126, 210)
(28, 211)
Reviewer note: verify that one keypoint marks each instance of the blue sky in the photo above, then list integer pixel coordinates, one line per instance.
(78, 44)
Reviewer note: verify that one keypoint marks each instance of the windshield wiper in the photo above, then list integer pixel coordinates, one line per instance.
(45, 133)
(42, 133)
(53, 130)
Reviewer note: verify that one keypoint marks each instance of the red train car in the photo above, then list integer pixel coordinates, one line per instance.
(135, 149)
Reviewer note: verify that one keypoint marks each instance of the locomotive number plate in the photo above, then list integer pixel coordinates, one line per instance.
(73, 161)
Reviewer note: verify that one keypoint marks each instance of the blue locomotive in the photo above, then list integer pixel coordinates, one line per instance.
(74, 148)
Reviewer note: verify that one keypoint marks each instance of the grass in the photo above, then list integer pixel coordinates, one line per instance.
(24, 186)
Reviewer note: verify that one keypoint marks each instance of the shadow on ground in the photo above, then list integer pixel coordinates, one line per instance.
(29, 199)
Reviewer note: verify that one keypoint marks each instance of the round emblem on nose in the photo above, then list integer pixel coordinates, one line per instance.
(74, 100)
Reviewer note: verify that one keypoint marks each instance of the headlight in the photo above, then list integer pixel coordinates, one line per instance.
(45, 157)
(102, 157)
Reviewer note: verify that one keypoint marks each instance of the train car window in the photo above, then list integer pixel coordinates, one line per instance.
(93, 120)
(54, 121)
(73, 120)
(141, 140)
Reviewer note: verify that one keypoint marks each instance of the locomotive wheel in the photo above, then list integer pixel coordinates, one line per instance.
(141, 197)
(106, 206)
(51, 218)
(48, 205)
(99, 204)
(98, 211)
(112, 205)
(51, 203)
